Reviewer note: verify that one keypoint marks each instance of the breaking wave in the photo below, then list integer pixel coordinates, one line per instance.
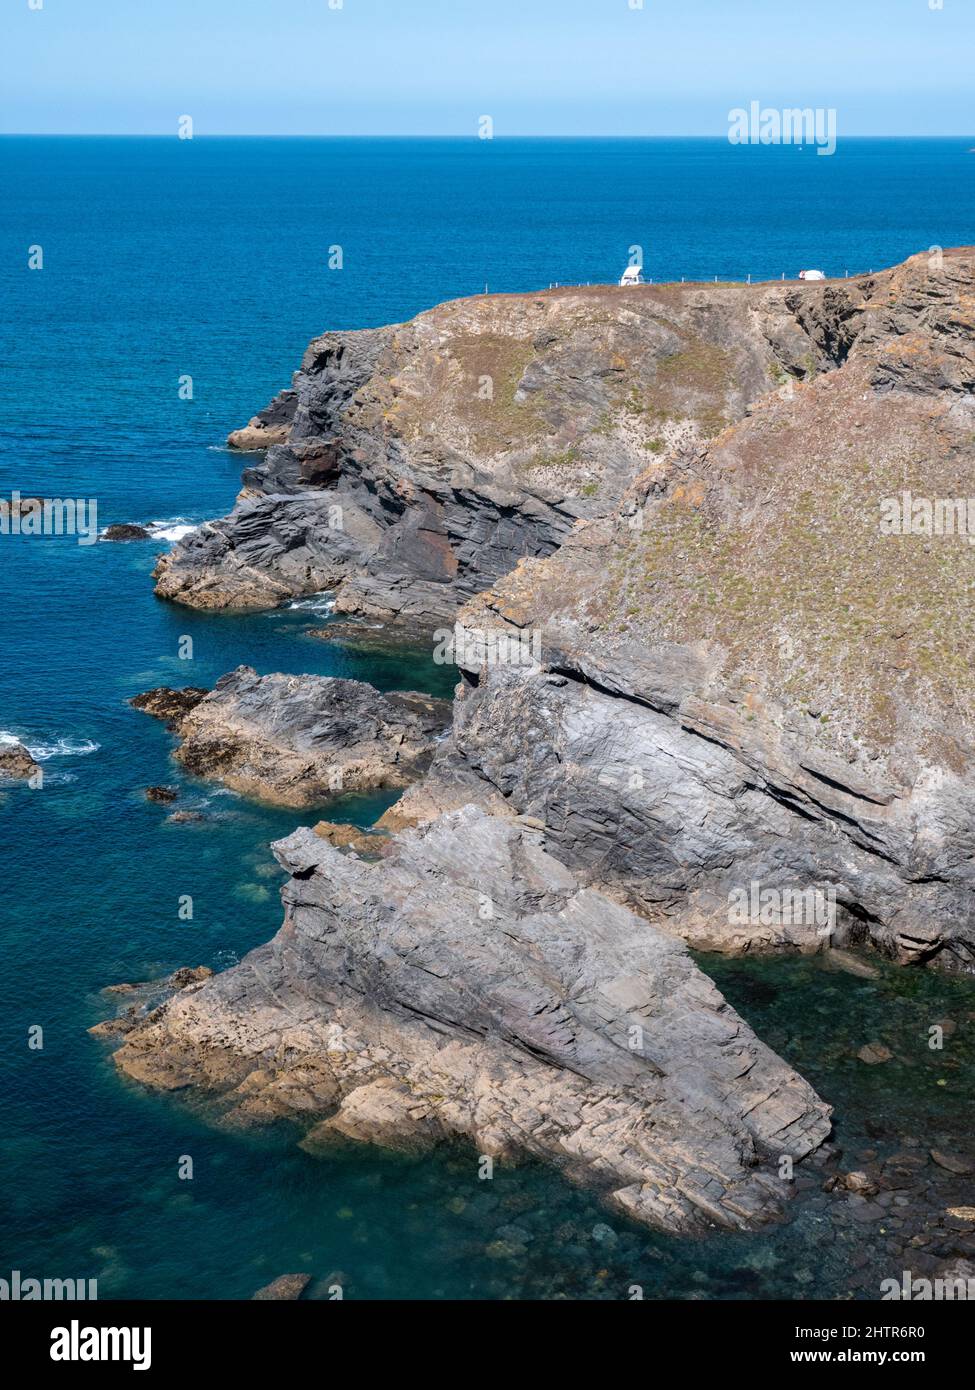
(320, 604)
(59, 748)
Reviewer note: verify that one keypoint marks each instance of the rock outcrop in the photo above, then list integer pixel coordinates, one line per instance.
(424, 460)
(268, 427)
(298, 740)
(165, 795)
(350, 837)
(146, 996)
(684, 805)
(712, 696)
(168, 704)
(468, 986)
(287, 1288)
(267, 551)
(16, 761)
(126, 531)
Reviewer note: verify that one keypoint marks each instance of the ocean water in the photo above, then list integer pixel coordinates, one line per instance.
(209, 259)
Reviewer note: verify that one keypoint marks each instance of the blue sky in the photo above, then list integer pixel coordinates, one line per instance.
(542, 67)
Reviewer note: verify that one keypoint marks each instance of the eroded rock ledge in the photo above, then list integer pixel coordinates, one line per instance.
(467, 986)
(298, 740)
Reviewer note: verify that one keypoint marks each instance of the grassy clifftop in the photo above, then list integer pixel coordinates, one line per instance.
(774, 545)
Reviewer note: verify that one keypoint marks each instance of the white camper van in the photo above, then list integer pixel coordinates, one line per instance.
(632, 275)
(811, 275)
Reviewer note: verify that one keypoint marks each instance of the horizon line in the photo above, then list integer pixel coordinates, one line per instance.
(424, 135)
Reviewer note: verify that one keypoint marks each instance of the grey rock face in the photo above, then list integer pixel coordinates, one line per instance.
(751, 683)
(684, 804)
(467, 985)
(297, 740)
(270, 549)
(513, 971)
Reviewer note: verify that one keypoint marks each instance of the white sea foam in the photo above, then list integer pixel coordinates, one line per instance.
(321, 604)
(173, 530)
(60, 748)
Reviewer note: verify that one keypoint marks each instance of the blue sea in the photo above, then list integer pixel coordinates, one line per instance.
(209, 259)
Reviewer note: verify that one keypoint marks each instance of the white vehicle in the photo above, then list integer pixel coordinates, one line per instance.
(632, 275)
(811, 275)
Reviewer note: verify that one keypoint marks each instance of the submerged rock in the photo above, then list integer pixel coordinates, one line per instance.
(166, 795)
(297, 740)
(373, 638)
(961, 1164)
(860, 1183)
(286, 1288)
(851, 965)
(467, 986)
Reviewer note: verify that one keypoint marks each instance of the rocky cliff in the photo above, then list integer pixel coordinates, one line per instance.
(423, 461)
(703, 665)
(759, 679)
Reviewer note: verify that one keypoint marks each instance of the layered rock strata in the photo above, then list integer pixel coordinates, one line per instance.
(468, 987)
(299, 740)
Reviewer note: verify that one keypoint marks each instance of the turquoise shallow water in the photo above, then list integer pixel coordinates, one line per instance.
(163, 260)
